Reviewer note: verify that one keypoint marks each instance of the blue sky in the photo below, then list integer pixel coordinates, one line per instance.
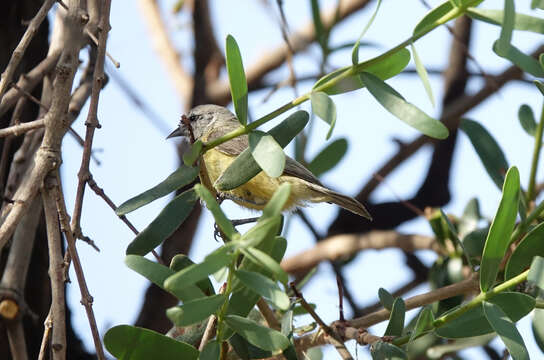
(135, 155)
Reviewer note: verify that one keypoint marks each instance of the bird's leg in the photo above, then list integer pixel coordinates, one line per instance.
(226, 196)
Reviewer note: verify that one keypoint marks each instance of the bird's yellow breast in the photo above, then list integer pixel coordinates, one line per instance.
(256, 192)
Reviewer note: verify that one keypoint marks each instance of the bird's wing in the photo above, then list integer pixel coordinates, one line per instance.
(296, 169)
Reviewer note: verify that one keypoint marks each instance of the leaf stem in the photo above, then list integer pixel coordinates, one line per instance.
(536, 156)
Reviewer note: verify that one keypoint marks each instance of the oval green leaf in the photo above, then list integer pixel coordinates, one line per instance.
(323, 106)
(423, 75)
(525, 62)
(522, 22)
(348, 77)
(264, 287)
(244, 167)
(191, 156)
(219, 216)
(194, 311)
(530, 246)
(196, 272)
(424, 323)
(266, 262)
(267, 153)
(488, 150)
(385, 351)
(179, 178)
(260, 336)
(474, 323)
(157, 273)
(396, 319)
(180, 262)
(500, 231)
(328, 157)
(164, 225)
(355, 51)
(275, 205)
(127, 342)
(527, 119)
(433, 18)
(536, 274)
(508, 19)
(393, 102)
(538, 328)
(211, 351)
(386, 299)
(237, 79)
(507, 331)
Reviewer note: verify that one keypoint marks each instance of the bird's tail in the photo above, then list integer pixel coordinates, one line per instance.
(344, 201)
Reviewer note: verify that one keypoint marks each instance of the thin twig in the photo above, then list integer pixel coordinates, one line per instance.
(332, 337)
(56, 271)
(19, 51)
(92, 119)
(29, 81)
(86, 298)
(209, 332)
(100, 192)
(20, 129)
(47, 325)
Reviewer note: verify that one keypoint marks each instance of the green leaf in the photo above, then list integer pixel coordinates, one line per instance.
(527, 119)
(424, 323)
(386, 299)
(530, 246)
(500, 231)
(538, 328)
(211, 351)
(179, 178)
(195, 311)
(433, 18)
(396, 319)
(328, 157)
(393, 102)
(264, 287)
(383, 69)
(505, 37)
(244, 167)
(194, 273)
(323, 106)
(487, 149)
(320, 33)
(267, 263)
(536, 273)
(264, 229)
(385, 351)
(474, 323)
(127, 342)
(474, 243)
(355, 51)
(219, 216)
(506, 330)
(423, 75)
(237, 79)
(247, 351)
(521, 22)
(260, 336)
(290, 352)
(539, 86)
(164, 225)
(267, 153)
(523, 61)
(190, 157)
(180, 262)
(157, 273)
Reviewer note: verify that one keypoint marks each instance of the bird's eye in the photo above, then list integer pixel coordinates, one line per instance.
(192, 118)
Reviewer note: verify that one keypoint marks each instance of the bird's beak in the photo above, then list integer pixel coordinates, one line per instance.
(175, 133)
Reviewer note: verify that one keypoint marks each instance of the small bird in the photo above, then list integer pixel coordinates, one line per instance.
(209, 122)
